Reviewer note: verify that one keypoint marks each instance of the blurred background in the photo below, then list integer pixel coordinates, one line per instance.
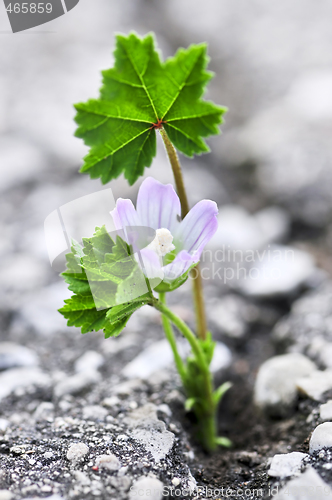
(273, 69)
(270, 170)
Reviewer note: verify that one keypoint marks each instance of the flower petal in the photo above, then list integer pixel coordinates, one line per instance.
(179, 266)
(151, 263)
(124, 214)
(158, 205)
(198, 227)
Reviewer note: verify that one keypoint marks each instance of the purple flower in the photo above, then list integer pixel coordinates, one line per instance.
(158, 207)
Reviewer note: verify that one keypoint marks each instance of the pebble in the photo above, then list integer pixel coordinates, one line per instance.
(321, 437)
(315, 384)
(14, 355)
(77, 452)
(147, 488)
(306, 487)
(91, 360)
(4, 423)
(275, 387)
(6, 495)
(110, 462)
(94, 412)
(325, 411)
(10, 380)
(287, 464)
(150, 431)
(279, 271)
(176, 481)
(45, 411)
(77, 383)
(222, 358)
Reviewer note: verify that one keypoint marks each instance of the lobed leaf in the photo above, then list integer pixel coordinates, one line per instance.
(139, 95)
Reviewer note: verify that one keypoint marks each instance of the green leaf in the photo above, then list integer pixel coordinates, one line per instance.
(219, 393)
(223, 441)
(139, 95)
(95, 274)
(190, 403)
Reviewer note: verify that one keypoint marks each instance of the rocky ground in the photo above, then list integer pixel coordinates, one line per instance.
(82, 417)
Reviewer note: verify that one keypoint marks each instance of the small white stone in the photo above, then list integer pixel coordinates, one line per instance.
(321, 437)
(315, 384)
(18, 378)
(286, 465)
(77, 452)
(148, 488)
(77, 383)
(91, 360)
(6, 495)
(14, 356)
(45, 411)
(110, 462)
(4, 423)
(275, 387)
(94, 412)
(176, 481)
(48, 454)
(325, 411)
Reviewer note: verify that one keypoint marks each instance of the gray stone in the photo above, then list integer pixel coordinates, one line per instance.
(77, 383)
(94, 412)
(91, 360)
(109, 462)
(77, 452)
(287, 464)
(275, 387)
(325, 411)
(15, 378)
(315, 384)
(306, 487)
(279, 271)
(149, 488)
(149, 431)
(321, 437)
(13, 356)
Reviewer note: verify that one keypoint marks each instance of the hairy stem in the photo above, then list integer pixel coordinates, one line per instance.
(171, 339)
(195, 274)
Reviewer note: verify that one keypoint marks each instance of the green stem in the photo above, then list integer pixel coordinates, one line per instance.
(206, 416)
(195, 274)
(171, 339)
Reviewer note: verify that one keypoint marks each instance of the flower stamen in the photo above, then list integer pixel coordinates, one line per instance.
(162, 243)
